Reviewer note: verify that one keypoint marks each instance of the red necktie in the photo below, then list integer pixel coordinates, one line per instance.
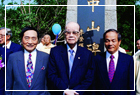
(111, 68)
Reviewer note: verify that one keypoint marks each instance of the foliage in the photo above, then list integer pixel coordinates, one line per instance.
(2, 15)
(51, 2)
(126, 26)
(40, 17)
(44, 17)
(137, 20)
(125, 18)
(126, 2)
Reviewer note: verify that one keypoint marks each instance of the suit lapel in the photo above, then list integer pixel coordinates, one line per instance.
(76, 61)
(119, 69)
(21, 68)
(38, 66)
(64, 56)
(103, 70)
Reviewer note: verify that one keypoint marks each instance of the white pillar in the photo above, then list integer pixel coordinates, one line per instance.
(71, 11)
(110, 15)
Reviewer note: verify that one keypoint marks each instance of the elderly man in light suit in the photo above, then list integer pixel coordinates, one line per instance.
(26, 70)
(137, 72)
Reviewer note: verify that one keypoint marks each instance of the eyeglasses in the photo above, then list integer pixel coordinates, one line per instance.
(32, 38)
(2, 35)
(73, 32)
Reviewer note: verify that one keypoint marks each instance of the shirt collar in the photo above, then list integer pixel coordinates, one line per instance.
(75, 48)
(32, 53)
(115, 54)
(8, 45)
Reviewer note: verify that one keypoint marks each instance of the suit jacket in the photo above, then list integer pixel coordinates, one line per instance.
(123, 77)
(137, 72)
(2, 70)
(82, 73)
(16, 76)
(15, 47)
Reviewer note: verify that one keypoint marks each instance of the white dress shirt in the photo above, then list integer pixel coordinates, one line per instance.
(108, 59)
(39, 46)
(122, 50)
(33, 58)
(7, 46)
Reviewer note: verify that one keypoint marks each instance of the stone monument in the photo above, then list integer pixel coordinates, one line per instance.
(94, 21)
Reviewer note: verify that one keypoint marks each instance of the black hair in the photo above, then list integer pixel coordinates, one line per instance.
(28, 28)
(112, 30)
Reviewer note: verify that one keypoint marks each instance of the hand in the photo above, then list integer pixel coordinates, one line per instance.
(70, 92)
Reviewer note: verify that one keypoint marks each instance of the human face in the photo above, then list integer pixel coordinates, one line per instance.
(72, 33)
(2, 36)
(30, 40)
(111, 42)
(138, 44)
(47, 39)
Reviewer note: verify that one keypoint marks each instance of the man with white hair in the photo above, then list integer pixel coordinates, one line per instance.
(11, 47)
(70, 66)
(9, 44)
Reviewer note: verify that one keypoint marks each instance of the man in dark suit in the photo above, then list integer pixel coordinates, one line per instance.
(70, 66)
(114, 70)
(26, 70)
(9, 44)
(2, 69)
(12, 47)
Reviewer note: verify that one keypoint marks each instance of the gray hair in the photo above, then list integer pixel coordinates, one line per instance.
(8, 31)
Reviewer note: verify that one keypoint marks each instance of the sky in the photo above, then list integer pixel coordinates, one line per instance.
(138, 3)
(32, 1)
(18, 1)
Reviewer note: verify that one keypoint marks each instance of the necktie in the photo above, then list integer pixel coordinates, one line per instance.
(71, 60)
(29, 72)
(111, 68)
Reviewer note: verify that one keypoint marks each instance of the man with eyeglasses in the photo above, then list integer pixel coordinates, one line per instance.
(9, 44)
(2, 68)
(70, 66)
(11, 47)
(26, 70)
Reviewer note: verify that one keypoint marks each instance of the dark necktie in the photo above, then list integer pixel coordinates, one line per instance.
(111, 68)
(29, 73)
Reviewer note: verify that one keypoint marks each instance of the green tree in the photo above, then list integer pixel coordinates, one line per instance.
(125, 18)
(137, 22)
(2, 16)
(40, 17)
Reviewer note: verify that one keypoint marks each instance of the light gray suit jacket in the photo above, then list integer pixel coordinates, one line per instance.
(16, 76)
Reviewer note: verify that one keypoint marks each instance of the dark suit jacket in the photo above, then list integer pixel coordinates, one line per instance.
(16, 77)
(123, 77)
(82, 73)
(15, 47)
(2, 71)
